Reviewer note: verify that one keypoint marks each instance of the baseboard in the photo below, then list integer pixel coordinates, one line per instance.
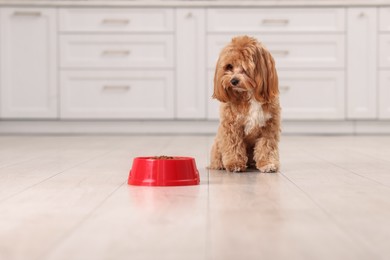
(182, 127)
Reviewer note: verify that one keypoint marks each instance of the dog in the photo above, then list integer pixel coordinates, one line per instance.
(246, 84)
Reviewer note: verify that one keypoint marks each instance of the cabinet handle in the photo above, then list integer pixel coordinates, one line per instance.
(280, 52)
(27, 13)
(116, 21)
(116, 87)
(275, 21)
(284, 88)
(116, 52)
(189, 15)
(362, 15)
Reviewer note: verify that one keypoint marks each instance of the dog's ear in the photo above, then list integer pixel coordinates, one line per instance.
(220, 92)
(266, 77)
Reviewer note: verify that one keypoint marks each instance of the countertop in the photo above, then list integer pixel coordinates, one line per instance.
(192, 3)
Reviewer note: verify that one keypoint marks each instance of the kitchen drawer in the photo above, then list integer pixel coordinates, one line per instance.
(291, 51)
(116, 51)
(117, 94)
(116, 20)
(303, 95)
(384, 19)
(276, 20)
(384, 94)
(384, 51)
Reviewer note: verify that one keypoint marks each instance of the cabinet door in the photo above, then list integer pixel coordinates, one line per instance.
(362, 63)
(190, 64)
(28, 64)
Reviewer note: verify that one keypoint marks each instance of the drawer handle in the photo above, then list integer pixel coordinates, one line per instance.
(275, 21)
(27, 13)
(116, 87)
(284, 88)
(116, 52)
(116, 21)
(280, 52)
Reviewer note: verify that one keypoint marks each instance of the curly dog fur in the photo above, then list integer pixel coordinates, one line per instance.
(246, 84)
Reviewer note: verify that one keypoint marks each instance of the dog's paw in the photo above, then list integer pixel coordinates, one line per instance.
(270, 167)
(236, 167)
(215, 167)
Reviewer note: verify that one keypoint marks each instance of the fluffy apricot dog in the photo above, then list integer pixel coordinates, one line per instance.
(246, 84)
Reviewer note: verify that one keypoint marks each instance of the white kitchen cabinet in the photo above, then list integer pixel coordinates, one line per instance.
(117, 63)
(152, 62)
(28, 63)
(190, 63)
(362, 63)
(309, 48)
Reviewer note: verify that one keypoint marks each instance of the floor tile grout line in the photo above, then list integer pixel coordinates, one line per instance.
(56, 174)
(305, 193)
(371, 156)
(81, 222)
(355, 238)
(368, 155)
(35, 156)
(208, 218)
(22, 161)
(362, 176)
(348, 170)
(208, 221)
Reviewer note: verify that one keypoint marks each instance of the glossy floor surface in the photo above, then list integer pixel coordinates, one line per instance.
(66, 197)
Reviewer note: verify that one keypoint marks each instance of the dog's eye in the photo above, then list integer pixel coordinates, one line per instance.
(229, 67)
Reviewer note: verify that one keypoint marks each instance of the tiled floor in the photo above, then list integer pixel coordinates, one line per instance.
(66, 197)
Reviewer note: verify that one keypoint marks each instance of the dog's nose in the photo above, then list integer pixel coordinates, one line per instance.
(234, 81)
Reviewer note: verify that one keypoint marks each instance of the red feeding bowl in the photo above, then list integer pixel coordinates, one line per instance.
(163, 171)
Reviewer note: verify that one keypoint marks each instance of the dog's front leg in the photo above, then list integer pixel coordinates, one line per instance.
(266, 152)
(234, 157)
